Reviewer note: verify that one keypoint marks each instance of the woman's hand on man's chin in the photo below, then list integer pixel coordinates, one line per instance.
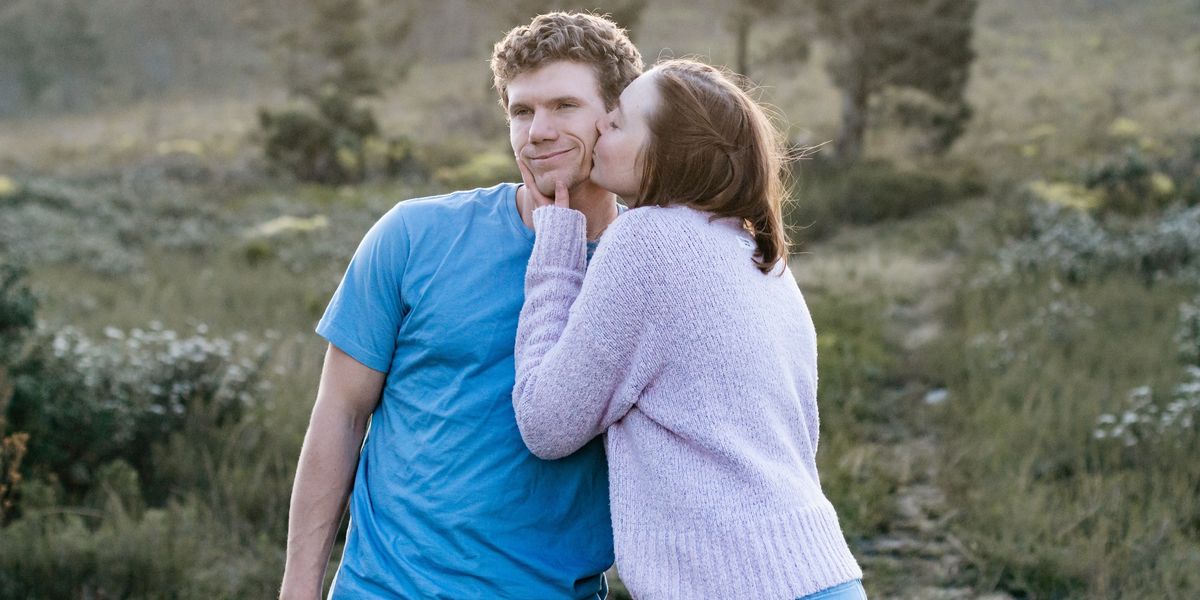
(562, 198)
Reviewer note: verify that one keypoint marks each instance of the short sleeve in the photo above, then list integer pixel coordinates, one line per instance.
(364, 316)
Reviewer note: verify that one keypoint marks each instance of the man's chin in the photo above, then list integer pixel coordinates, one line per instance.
(546, 181)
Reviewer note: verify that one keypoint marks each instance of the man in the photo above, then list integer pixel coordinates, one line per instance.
(445, 500)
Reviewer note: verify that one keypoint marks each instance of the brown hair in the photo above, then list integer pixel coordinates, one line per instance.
(579, 37)
(713, 148)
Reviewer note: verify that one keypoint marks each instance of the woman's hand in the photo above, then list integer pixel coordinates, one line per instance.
(561, 198)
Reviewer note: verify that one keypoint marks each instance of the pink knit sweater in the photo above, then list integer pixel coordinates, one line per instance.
(703, 371)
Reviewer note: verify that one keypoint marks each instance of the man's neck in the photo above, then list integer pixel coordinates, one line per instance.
(596, 203)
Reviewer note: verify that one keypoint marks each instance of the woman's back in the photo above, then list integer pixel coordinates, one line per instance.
(715, 460)
(739, 381)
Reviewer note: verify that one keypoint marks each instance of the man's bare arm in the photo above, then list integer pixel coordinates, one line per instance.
(348, 393)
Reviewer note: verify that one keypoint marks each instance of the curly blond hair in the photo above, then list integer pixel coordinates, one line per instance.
(585, 38)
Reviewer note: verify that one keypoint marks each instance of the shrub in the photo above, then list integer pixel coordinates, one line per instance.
(17, 306)
(325, 144)
(1187, 336)
(828, 195)
(1148, 420)
(1134, 181)
(1130, 183)
(101, 228)
(1079, 246)
(86, 403)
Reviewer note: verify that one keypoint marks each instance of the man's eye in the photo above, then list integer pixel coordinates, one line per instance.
(566, 105)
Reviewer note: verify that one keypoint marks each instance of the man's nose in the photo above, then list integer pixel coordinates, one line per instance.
(542, 128)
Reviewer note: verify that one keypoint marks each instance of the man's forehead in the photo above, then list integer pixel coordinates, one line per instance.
(552, 81)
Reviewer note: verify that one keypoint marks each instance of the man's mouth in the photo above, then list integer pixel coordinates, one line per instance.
(550, 155)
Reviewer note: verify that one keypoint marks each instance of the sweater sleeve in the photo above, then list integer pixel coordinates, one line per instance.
(584, 349)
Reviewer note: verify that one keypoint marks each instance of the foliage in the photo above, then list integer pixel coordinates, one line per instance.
(937, 123)
(1079, 246)
(627, 14)
(324, 146)
(740, 20)
(106, 227)
(1187, 337)
(53, 47)
(1130, 184)
(17, 306)
(924, 45)
(829, 195)
(1136, 182)
(324, 138)
(1147, 420)
(85, 403)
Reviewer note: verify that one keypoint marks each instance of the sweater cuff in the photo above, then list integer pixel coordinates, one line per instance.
(559, 238)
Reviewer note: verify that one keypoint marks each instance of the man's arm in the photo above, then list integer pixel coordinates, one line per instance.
(348, 393)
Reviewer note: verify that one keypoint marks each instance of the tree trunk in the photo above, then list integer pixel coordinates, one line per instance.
(742, 33)
(849, 143)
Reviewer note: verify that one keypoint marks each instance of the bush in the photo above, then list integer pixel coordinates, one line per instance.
(325, 144)
(1135, 182)
(1079, 246)
(1130, 183)
(85, 403)
(828, 195)
(106, 228)
(17, 306)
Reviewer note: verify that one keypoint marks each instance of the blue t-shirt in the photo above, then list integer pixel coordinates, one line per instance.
(447, 501)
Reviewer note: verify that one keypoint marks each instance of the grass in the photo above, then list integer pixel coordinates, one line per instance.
(1046, 509)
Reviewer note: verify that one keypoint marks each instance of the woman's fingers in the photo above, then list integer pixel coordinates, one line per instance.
(561, 198)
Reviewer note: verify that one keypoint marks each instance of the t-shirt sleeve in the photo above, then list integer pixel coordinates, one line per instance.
(365, 313)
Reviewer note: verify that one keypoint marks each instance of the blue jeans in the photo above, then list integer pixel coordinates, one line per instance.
(851, 590)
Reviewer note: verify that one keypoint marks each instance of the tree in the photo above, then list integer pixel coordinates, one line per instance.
(741, 19)
(922, 45)
(625, 13)
(53, 51)
(76, 52)
(328, 68)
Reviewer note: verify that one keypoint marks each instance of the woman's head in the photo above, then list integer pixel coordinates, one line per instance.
(684, 133)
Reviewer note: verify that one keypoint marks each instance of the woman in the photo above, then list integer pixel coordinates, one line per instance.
(688, 342)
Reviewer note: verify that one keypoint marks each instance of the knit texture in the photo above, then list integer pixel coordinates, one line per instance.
(703, 372)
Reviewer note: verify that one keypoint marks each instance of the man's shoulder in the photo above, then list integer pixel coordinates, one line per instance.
(442, 209)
